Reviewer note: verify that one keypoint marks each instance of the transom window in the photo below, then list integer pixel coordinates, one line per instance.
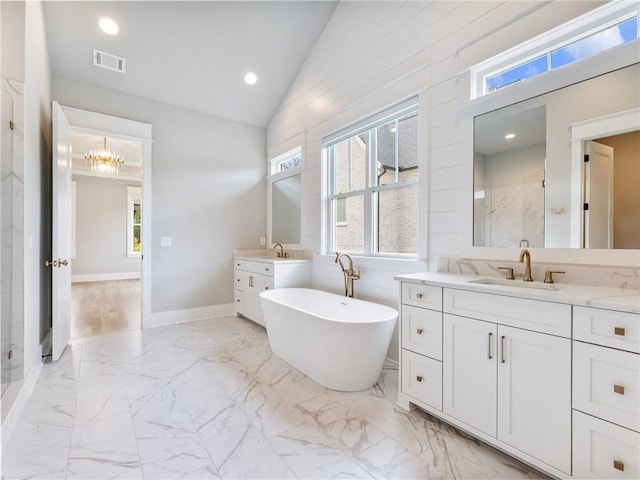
(287, 161)
(599, 30)
(373, 187)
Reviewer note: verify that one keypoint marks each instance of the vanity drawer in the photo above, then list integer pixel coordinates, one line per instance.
(425, 296)
(422, 331)
(237, 282)
(606, 383)
(267, 269)
(536, 315)
(422, 378)
(607, 327)
(604, 450)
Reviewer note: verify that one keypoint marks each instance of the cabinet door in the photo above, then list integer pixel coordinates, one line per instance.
(534, 394)
(469, 372)
(249, 283)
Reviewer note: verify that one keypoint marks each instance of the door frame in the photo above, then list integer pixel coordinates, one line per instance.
(116, 127)
(581, 132)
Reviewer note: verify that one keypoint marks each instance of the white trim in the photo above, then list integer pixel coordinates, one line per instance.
(105, 277)
(172, 317)
(112, 176)
(97, 123)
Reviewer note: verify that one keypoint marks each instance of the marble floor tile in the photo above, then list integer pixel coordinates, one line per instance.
(208, 399)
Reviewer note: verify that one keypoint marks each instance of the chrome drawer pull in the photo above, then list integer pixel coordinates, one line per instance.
(618, 465)
(619, 331)
(618, 389)
(419, 331)
(418, 296)
(419, 378)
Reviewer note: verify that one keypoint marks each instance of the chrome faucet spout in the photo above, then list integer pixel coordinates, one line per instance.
(525, 257)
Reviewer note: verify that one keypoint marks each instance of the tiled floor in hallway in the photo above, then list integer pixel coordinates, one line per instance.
(209, 400)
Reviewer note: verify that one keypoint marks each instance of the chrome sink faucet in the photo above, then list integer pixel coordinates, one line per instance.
(349, 273)
(525, 257)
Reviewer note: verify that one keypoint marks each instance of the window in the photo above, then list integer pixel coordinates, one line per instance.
(287, 161)
(372, 180)
(613, 24)
(134, 221)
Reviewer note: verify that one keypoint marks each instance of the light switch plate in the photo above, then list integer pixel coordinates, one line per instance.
(165, 241)
(263, 241)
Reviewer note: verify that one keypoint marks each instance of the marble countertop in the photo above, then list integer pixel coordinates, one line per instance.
(270, 259)
(621, 299)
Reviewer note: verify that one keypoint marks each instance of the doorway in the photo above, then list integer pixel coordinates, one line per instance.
(68, 163)
(106, 249)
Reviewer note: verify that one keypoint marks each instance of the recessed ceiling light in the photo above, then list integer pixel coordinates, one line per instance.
(250, 78)
(108, 26)
(509, 136)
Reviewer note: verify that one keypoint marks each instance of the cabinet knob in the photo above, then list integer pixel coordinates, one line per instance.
(238, 300)
(618, 465)
(266, 269)
(418, 296)
(619, 331)
(419, 378)
(618, 389)
(419, 331)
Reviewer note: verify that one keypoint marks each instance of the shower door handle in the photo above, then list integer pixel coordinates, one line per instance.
(52, 263)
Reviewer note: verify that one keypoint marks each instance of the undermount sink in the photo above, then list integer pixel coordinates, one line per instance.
(514, 283)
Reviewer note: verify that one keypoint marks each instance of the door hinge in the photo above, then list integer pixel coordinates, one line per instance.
(11, 124)
(586, 157)
(586, 206)
(543, 184)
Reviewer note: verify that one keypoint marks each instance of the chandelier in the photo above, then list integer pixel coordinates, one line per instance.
(102, 161)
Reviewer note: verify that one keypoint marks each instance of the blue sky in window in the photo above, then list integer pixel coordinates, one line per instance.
(596, 43)
(586, 47)
(521, 72)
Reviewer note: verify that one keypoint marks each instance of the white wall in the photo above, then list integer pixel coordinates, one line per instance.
(208, 193)
(101, 228)
(372, 55)
(37, 88)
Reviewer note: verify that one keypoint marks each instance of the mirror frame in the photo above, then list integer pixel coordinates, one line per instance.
(614, 59)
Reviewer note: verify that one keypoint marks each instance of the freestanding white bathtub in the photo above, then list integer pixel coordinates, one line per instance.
(337, 341)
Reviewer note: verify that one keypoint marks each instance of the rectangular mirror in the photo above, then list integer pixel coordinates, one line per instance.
(285, 210)
(531, 185)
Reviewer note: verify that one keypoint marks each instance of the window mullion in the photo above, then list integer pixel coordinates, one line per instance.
(369, 215)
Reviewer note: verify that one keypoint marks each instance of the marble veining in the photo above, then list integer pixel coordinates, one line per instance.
(208, 399)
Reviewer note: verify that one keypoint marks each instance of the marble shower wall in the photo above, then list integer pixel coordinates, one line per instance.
(12, 233)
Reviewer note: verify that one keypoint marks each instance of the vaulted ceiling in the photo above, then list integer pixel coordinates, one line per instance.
(191, 54)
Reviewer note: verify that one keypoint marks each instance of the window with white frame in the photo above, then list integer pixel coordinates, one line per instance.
(372, 185)
(287, 161)
(134, 221)
(599, 30)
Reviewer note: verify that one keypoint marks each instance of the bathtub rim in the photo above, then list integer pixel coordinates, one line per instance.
(389, 318)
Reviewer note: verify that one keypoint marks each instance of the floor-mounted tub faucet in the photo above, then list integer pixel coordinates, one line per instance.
(349, 273)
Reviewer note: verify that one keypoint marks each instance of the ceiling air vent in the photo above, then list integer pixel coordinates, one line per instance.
(108, 61)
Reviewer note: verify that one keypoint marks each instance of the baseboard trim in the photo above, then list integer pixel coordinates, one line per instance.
(171, 317)
(19, 393)
(103, 277)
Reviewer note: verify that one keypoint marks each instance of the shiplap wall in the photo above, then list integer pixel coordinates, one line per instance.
(374, 54)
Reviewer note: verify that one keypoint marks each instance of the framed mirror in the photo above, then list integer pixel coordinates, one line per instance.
(531, 185)
(285, 210)
(284, 199)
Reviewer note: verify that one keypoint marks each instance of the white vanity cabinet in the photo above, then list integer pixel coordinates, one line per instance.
(497, 366)
(256, 275)
(511, 383)
(606, 394)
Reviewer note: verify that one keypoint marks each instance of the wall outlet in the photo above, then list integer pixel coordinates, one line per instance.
(263, 241)
(165, 241)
